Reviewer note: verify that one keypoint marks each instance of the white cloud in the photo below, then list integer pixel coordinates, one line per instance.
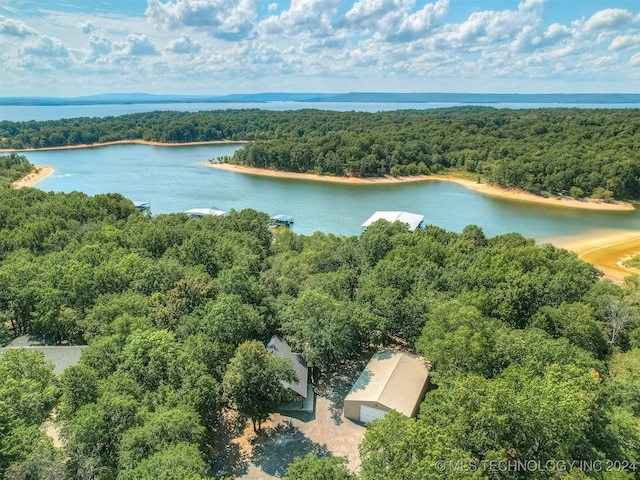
(369, 13)
(183, 45)
(424, 20)
(610, 18)
(225, 19)
(625, 41)
(47, 47)
(139, 45)
(487, 28)
(304, 17)
(530, 4)
(99, 44)
(88, 27)
(45, 54)
(556, 32)
(346, 44)
(15, 28)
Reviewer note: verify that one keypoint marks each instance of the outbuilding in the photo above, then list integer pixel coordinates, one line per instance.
(391, 381)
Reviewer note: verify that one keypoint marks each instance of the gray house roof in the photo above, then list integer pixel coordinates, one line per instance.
(61, 357)
(281, 349)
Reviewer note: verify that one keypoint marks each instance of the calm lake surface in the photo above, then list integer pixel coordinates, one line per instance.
(174, 179)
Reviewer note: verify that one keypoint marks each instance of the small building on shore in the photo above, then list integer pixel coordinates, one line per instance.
(142, 206)
(282, 221)
(202, 212)
(413, 220)
(391, 380)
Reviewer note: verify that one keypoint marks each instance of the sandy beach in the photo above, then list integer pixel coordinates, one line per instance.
(121, 142)
(34, 177)
(608, 252)
(484, 188)
(479, 187)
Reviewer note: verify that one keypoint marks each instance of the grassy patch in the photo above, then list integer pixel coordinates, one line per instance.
(633, 262)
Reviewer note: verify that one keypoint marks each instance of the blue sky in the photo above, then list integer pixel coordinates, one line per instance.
(83, 47)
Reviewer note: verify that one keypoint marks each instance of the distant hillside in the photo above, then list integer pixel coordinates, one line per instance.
(353, 97)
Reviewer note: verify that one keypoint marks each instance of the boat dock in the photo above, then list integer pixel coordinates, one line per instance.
(413, 220)
(282, 221)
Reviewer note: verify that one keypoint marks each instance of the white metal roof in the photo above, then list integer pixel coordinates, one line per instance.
(282, 218)
(412, 219)
(199, 212)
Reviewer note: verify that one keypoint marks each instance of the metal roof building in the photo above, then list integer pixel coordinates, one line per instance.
(391, 381)
(413, 220)
(282, 220)
(201, 212)
(142, 206)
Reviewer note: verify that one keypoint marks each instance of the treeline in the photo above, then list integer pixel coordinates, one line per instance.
(577, 152)
(13, 167)
(534, 357)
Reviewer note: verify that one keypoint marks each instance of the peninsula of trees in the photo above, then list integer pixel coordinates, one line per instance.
(534, 357)
(577, 152)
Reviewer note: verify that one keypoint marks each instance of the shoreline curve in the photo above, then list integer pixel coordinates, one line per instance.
(484, 188)
(607, 252)
(39, 172)
(123, 142)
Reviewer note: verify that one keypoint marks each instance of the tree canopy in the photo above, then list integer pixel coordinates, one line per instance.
(559, 151)
(534, 357)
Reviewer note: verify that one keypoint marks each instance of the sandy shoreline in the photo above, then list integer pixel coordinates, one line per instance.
(121, 142)
(607, 253)
(479, 187)
(39, 172)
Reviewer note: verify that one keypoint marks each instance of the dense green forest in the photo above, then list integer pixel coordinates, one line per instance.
(13, 167)
(577, 152)
(534, 357)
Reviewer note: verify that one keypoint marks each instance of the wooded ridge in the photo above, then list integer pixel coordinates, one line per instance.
(577, 152)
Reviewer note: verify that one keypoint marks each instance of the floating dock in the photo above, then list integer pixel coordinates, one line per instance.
(413, 220)
(202, 212)
(282, 221)
(142, 206)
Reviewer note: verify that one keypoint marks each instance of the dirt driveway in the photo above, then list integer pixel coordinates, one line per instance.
(267, 454)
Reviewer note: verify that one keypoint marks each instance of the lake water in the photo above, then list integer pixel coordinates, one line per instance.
(22, 113)
(173, 179)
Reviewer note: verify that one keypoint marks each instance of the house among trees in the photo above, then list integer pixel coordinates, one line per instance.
(391, 381)
(302, 392)
(61, 356)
